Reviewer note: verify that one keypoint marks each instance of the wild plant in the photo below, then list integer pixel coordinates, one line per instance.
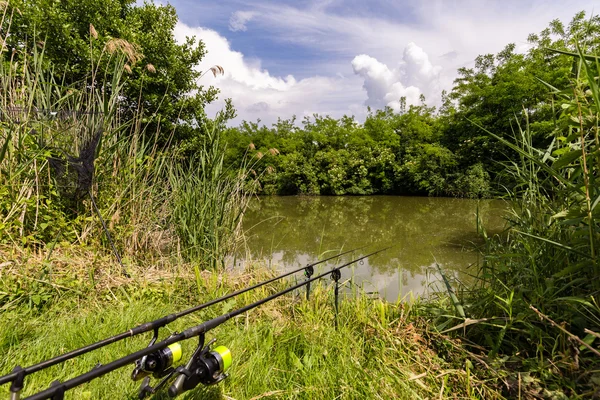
(64, 144)
(536, 297)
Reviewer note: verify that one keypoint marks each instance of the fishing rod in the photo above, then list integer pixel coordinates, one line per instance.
(205, 366)
(18, 374)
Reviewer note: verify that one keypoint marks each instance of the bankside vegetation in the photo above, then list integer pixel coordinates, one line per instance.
(535, 304)
(287, 349)
(102, 123)
(421, 150)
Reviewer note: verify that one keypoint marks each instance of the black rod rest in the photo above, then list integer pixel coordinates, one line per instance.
(17, 384)
(59, 390)
(336, 274)
(308, 272)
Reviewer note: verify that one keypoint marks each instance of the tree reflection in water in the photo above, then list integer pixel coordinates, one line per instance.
(293, 231)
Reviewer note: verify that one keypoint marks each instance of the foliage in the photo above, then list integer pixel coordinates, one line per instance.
(162, 74)
(208, 202)
(537, 296)
(389, 154)
(426, 167)
(474, 183)
(507, 89)
(63, 143)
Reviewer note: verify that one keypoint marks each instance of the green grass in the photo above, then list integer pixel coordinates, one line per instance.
(288, 348)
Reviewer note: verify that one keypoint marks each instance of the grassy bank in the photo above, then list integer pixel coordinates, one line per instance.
(288, 348)
(529, 327)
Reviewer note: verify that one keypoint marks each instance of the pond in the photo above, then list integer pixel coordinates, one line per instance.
(289, 232)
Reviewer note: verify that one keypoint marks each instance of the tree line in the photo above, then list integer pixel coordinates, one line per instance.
(420, 150)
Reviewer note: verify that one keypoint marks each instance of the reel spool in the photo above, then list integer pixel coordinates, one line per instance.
(157, 364)
(206, 366)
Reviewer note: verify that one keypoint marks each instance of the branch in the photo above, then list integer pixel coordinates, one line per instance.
(574, 337)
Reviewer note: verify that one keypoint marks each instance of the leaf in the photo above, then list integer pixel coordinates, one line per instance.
(578, 54)
(566, 159)
(36, 299)
(596, 201)
(590, 74)
(560, 214)
(571, 269)
(228, 306)
(467, 322)
(296, 361)
(5, 145)
(560, 245)
(589, 339)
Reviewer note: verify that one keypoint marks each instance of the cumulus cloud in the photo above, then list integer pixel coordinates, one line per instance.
(414, 76)
(239, 19)
(258, 107)
(451, 33)
(356, 57)
(256, 93)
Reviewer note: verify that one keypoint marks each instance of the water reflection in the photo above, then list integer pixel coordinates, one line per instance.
(293, 231)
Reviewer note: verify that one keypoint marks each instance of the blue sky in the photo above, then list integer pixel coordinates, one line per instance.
(284, 58)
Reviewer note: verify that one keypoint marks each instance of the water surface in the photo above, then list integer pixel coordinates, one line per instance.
(289, 232)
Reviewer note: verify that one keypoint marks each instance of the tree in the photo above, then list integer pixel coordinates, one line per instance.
(509, 88)
(163, 80)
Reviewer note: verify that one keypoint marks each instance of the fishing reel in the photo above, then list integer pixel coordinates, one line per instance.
(206, 366)
(157, 364)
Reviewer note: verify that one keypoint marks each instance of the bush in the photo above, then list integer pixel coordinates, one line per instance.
(473, 183)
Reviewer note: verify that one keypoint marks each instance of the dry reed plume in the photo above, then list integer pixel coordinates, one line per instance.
(130, 50)
(93, 32)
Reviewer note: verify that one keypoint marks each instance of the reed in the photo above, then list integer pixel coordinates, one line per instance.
(61, 143)
(208, 202)
(536, 297)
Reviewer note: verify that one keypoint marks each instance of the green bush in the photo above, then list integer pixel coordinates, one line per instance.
(473, 183)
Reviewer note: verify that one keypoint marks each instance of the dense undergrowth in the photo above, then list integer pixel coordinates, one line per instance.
(72, 155)
(535, 304)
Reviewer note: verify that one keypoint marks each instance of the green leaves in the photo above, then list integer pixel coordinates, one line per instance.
(391, 153)
(64, 28)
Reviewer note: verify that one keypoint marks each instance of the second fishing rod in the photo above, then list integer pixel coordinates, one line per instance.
(18, 374)
(187, 377)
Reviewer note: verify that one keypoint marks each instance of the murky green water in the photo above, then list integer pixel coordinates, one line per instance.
(289, 232)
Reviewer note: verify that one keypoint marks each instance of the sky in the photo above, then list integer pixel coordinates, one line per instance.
(286, 58)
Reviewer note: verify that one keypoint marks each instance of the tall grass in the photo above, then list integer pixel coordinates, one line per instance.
(537, 296)
(155, 203)
(208, 202)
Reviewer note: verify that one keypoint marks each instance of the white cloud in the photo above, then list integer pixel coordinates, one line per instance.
(450, 34)
(239, 19)
(414, 76)
(365, 60)
(258, 94)
(417, 70)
